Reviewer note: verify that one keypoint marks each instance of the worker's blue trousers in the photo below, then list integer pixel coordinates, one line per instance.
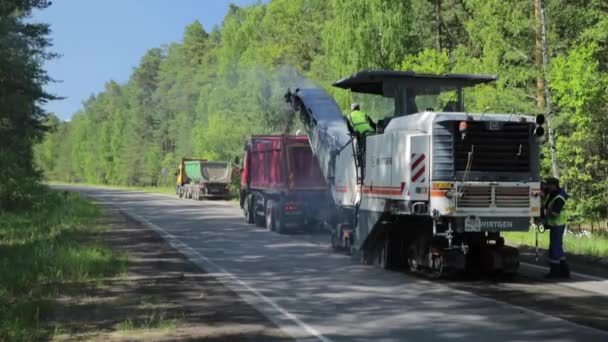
(556, 240)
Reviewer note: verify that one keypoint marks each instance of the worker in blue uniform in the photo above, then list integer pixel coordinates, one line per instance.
(554, 209)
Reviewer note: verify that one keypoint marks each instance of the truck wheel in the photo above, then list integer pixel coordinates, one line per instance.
(334, 242)
(248, 210)
(270, 216)
(279, 223)
(259, 220)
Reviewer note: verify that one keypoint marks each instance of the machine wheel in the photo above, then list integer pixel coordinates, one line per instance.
(412, 258)
(248, 210)
(384, 259)
(270, 216)
(365, 257)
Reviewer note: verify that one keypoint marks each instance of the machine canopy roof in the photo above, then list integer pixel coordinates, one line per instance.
(378, 81)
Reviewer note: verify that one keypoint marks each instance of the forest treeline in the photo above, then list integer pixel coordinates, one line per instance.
(204, 95)
(23, 49)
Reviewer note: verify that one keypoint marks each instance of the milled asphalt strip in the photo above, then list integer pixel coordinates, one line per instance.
(587, 283)
(209, 265)
(575, 274)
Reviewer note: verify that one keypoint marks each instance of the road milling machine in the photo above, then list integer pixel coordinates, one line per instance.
(436, 186)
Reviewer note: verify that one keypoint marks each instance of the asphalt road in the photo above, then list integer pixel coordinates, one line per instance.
(317, 295)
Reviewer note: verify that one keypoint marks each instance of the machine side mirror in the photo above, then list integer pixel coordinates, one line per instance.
(237, 160)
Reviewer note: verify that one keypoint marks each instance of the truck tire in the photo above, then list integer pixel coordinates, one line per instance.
(191, 190)
(279, 222)
(335, 244)
(259, 220)
(248, 209)
(270, 216)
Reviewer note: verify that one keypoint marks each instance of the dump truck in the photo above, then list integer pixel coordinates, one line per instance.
(436, 185)
(282, 187)
(200, 178)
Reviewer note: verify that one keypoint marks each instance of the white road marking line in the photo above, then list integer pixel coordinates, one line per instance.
(268, 301)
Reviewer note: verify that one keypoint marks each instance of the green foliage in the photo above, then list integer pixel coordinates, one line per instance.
(580, 91)
(23, 47)
(595, 244)
(42, 247)
(203, 96)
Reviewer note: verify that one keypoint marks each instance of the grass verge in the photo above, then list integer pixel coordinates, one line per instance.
(54, 242)
(154, 321)
(154, 189)
(595, 244)
(169, 190)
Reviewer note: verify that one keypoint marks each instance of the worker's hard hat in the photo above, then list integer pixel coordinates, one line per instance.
(354, 106)
(552, 181)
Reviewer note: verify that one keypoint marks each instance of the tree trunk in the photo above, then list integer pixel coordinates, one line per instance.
(538, 59)
(438, 24)
(539, 10)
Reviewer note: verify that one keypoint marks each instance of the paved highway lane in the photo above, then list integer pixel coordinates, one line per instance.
(317, 295)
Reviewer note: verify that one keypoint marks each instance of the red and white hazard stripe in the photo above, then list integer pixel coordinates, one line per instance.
(418, 167)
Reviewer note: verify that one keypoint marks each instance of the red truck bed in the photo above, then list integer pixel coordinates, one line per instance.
(281, 162)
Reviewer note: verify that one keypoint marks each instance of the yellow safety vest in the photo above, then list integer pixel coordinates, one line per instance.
(560, 219)
(358, 120)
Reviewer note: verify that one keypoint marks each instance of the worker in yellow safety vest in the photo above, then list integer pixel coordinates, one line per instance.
(554, 210)
(362, 126)
(360, 122)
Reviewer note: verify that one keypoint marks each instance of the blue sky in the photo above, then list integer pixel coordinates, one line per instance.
(101, 40)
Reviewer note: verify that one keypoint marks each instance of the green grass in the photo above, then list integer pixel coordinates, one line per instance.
(169, 190)
(54, 242)
(594, 245)
(154, 321)
(153, 189)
